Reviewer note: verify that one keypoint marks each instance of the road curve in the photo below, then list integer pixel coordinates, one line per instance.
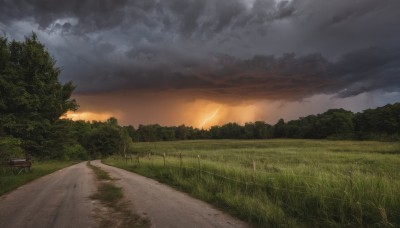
(166, 207)
(60, 199)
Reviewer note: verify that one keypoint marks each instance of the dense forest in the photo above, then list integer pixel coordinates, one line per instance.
(382, 123)
(32, 100)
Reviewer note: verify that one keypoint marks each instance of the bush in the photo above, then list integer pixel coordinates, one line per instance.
(75, 152)
(10, 147)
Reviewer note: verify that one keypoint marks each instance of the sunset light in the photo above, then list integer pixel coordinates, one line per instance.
(208, 119)
(87, 116)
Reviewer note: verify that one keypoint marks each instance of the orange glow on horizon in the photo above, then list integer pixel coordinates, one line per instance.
(209, 113)
(168, 111)
(204, 114)
(87, 116)
(210, 118)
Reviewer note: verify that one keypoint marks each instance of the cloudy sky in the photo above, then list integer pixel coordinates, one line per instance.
(203, 62)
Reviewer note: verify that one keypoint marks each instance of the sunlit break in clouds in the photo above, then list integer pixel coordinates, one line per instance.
(206, 62)
(87, 116)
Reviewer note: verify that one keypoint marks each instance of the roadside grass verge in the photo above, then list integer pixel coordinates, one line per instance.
(297, 183)
(10, 181)
(114, 212)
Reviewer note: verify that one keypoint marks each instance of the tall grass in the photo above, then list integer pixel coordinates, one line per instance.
(296, 183)
(10, 181)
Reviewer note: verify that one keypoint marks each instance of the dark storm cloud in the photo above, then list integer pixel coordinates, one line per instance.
(226, 49)
(92, 14)
(368, 70)
(288, 77)
(187, 17)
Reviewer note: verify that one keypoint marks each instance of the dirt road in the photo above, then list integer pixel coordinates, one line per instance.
(56, 200)
(62, 200)
(166, 207)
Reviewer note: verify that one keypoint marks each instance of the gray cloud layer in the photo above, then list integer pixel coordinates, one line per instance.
(218, 48)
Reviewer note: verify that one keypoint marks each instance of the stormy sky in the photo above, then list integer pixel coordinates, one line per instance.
(179, 61)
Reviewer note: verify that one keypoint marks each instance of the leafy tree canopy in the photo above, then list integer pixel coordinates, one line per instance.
(31, 97)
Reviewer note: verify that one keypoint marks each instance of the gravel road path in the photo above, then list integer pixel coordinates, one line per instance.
(56, 200)
(61, 199)
(166, 207)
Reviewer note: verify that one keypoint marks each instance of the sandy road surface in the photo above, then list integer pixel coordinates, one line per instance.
(166, 207)
(56, 200)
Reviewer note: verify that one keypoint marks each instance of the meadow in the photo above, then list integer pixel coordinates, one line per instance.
(281, 183)
(10, 181)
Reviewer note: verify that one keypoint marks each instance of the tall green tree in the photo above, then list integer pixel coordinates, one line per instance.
(31, 97)
(280, 129)
(104, 140)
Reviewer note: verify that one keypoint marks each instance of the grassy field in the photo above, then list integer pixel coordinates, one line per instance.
(9, 181)
(291, 183)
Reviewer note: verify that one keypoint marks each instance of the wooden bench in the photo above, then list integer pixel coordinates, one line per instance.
(19, 165)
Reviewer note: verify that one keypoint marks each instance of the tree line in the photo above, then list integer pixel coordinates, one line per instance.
(382, 123)
(32, 100)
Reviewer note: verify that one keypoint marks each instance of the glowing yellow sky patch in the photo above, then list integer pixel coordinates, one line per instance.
(208, 119)
(169, 110)
(205, 113)
(87, 116)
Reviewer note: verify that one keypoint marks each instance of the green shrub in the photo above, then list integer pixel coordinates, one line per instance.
(75, 152)
(10, 147)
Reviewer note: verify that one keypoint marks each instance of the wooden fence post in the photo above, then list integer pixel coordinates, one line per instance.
(254, 170)
(164, 158)
(180, 165)
(198, 161)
